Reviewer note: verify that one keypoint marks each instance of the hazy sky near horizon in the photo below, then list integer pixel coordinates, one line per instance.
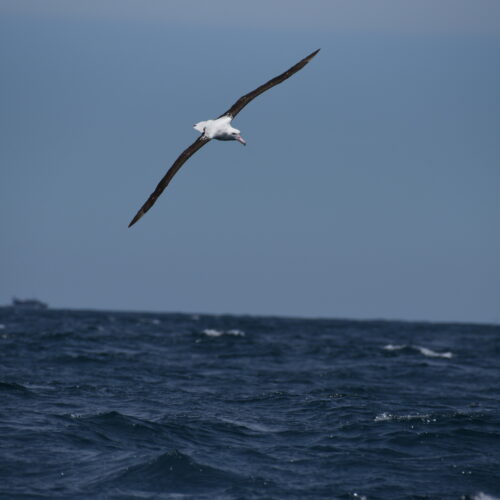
(369, 187)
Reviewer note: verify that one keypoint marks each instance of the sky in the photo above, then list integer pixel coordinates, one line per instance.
(369, 186)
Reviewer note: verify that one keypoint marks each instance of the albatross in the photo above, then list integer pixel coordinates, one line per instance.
(219, 129)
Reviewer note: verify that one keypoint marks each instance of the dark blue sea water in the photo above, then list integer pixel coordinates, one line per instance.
(173, 406)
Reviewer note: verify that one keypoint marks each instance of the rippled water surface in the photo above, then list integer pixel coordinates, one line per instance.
(173, 406)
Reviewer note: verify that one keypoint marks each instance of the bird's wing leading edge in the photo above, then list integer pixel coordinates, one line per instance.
(243, 101)
(183, 157)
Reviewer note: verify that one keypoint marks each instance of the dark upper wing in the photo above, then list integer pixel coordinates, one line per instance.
(243, 101)
(201, 141)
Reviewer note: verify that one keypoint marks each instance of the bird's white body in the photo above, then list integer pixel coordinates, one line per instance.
(219, 129)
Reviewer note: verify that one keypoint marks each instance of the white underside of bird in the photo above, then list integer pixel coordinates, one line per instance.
(219, 129)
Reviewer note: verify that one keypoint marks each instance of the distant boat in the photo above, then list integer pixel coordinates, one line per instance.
(28, 304)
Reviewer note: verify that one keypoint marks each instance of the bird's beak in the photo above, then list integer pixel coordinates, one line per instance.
(240, 139)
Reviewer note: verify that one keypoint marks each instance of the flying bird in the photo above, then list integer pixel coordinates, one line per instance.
(219, 129)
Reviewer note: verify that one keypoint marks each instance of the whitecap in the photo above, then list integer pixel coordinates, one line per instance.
(358, 496)
(385, 417)
(218, 333)
(2, 326)
(422, 350)
(484, 496)
(433, 354)
(392, 347)
(238, 333)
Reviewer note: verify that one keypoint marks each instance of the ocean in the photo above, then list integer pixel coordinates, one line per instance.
(98, 405)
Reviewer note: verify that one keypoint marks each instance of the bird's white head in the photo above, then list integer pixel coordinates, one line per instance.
(236, 136)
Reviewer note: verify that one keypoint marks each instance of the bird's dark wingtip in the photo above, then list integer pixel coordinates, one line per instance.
(309, 57)
(136, 218)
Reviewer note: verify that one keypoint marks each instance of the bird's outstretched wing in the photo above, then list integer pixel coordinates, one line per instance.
(183, 157)
(243, 101)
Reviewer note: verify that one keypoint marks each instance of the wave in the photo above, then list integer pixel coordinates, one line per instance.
(7, 387)
(102, 429)
(177, 472)
(422, 350)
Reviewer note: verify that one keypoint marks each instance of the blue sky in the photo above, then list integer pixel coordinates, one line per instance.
(369, 187)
